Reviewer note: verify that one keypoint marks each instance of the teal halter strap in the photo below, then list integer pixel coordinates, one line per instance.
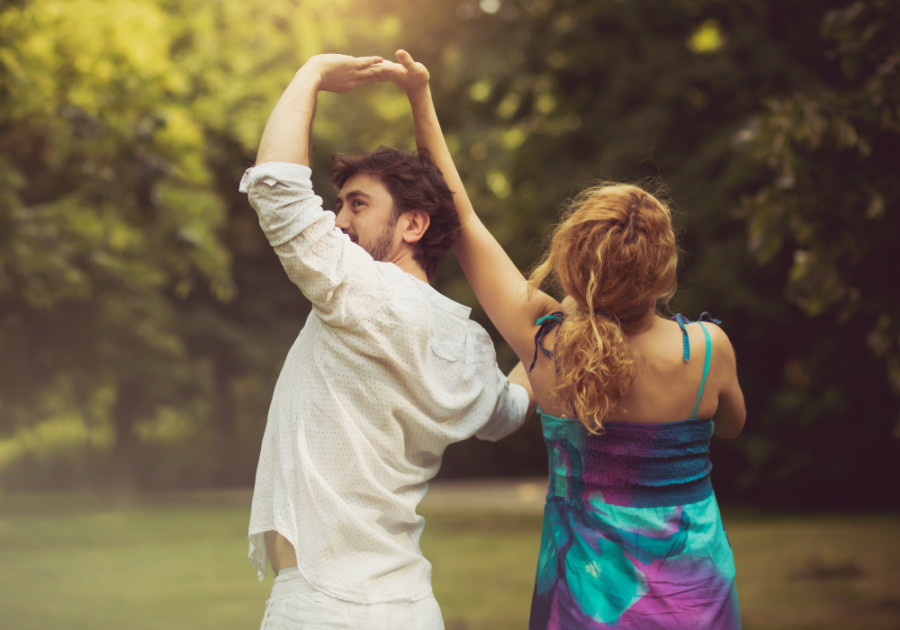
(705, 369)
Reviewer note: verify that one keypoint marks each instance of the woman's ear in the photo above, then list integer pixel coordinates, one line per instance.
(417, 223)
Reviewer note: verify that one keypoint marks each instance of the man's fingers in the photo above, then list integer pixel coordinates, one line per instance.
(371, 75)
(365, 74)
(365, 62)
(376, 72)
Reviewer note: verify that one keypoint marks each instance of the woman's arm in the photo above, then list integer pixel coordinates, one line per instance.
(731, 413)
(498, 284)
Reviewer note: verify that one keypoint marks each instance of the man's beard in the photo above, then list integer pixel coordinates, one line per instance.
(382, 244)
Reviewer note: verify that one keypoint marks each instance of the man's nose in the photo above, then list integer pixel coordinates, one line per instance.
(342, 221)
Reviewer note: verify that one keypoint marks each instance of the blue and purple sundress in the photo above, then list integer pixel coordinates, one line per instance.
(632, 535)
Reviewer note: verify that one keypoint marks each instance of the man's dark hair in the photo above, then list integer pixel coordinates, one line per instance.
(415, 183)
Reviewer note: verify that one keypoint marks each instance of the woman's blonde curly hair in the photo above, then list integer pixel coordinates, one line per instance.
(615, 255)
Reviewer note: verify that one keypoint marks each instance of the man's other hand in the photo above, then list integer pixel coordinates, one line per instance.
(342, 73)
(519, 376)
(411, 76)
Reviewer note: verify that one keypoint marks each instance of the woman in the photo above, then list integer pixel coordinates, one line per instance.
(632, 534)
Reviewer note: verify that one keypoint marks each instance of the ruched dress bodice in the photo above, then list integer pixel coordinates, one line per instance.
(630, 464)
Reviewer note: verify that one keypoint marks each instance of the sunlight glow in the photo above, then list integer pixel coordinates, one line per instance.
(707, 38)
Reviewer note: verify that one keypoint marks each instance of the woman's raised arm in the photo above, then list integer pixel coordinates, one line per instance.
(498, 284)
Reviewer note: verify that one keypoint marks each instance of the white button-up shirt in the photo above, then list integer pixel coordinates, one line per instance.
(386, 373)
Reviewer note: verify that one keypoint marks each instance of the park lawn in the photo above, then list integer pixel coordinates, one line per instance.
(823, 572)
(76, 562)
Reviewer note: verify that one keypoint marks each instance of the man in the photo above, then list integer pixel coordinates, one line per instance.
(384, 375)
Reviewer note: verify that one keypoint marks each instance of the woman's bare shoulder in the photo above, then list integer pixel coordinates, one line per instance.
(723, 351)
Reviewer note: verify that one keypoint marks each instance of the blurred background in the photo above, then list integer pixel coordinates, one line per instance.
(144, 318)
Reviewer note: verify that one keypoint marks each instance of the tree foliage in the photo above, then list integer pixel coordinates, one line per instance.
(832, 198)
(139, 301)
(107, 210)
(124, 131)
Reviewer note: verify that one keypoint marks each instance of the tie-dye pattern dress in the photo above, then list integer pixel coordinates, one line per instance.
(632, 536)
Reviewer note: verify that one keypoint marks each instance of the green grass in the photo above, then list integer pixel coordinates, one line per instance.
(142, 568)
(817, 573)
(483, 567)
(76, 562)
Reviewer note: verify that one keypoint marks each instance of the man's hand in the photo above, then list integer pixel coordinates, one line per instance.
(286, 136)
(411, 76)
(341, 73)
(519, 376)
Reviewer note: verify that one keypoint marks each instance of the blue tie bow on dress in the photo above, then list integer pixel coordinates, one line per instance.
(546, 323)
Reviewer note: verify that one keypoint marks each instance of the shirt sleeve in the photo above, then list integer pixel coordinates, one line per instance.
(509, 412)
(337, 276)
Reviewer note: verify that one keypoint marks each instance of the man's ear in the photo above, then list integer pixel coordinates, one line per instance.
(417, 223)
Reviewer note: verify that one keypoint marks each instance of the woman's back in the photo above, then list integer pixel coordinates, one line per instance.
(666, 387)
(632, 535)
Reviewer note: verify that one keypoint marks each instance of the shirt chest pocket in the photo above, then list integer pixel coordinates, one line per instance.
(449, 335)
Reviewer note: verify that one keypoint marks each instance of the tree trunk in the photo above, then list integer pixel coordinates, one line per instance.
(125, 412)
(223, 423)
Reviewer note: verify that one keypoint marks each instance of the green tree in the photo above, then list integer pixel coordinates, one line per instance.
(832, 198)
(828, 208)
(107, 210)
(124, 133)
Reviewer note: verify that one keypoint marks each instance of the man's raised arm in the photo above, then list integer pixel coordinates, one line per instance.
(337, 276)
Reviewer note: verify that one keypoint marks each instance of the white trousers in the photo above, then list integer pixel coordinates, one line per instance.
(296, 605)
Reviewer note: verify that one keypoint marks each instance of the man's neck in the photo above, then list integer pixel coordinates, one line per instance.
(404, 259)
